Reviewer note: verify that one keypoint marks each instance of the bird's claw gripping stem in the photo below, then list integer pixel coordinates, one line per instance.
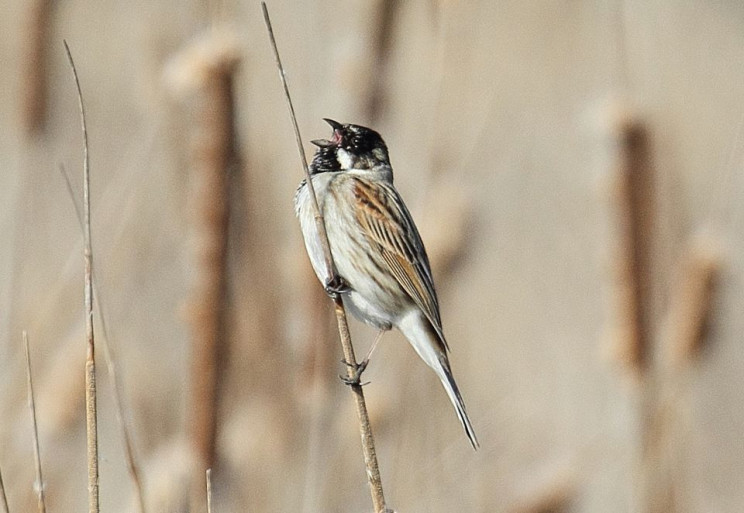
(336, 286)
(355, 378)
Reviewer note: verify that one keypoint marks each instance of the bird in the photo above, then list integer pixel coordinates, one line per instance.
(382, 271)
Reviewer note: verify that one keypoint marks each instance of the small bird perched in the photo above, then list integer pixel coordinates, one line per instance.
(382, 271)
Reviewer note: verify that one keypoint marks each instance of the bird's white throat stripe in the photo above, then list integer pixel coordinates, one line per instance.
(344, 158)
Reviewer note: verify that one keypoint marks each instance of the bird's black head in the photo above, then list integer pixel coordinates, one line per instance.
(351, 147)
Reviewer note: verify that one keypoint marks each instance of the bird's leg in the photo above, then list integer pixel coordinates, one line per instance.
(359, 368)
(365, 362)
(335, 286)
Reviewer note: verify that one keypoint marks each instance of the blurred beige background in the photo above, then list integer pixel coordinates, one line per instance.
(500, 120)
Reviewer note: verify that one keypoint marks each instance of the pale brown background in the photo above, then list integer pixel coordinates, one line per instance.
(499, 117)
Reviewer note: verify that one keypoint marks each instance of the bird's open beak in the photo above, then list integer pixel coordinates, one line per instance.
(334, 124)
(322, 143)
(325, 143)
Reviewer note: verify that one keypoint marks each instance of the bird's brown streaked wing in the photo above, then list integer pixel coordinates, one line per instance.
(386, 221)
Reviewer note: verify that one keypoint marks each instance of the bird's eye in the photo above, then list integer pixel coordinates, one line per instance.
(360, 141)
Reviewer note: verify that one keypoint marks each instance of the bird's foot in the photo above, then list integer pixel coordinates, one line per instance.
(336, 286)
(356, 375)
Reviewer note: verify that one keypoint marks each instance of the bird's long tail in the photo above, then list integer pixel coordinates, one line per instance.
(430, 346)
(445, 375)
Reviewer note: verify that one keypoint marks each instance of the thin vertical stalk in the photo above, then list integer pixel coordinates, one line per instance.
(109, 357)
(3, 498)
(91, 413)
(32, 408)
(209, 490)
(368, 443)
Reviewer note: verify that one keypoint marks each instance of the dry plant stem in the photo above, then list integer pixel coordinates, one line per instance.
(35, 77)
(91, 413)
(108, 354)
(3, 498)
(209, 490)
(368, 444)
(32, 408)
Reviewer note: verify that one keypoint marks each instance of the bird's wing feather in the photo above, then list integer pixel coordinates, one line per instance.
(385, 220)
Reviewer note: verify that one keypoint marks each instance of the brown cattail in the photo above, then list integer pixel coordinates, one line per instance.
(636, 212)
(690, 308)
(206, 71)
(386, 14)
(554, 497)
(35, 77)
(446, 228)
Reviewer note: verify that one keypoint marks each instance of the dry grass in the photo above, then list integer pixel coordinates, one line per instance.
(3, 497)
(91, 390)
(209, 490)
(39, 484)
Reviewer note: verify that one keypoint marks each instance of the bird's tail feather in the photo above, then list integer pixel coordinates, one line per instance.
(429, 344)
(454, 394)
